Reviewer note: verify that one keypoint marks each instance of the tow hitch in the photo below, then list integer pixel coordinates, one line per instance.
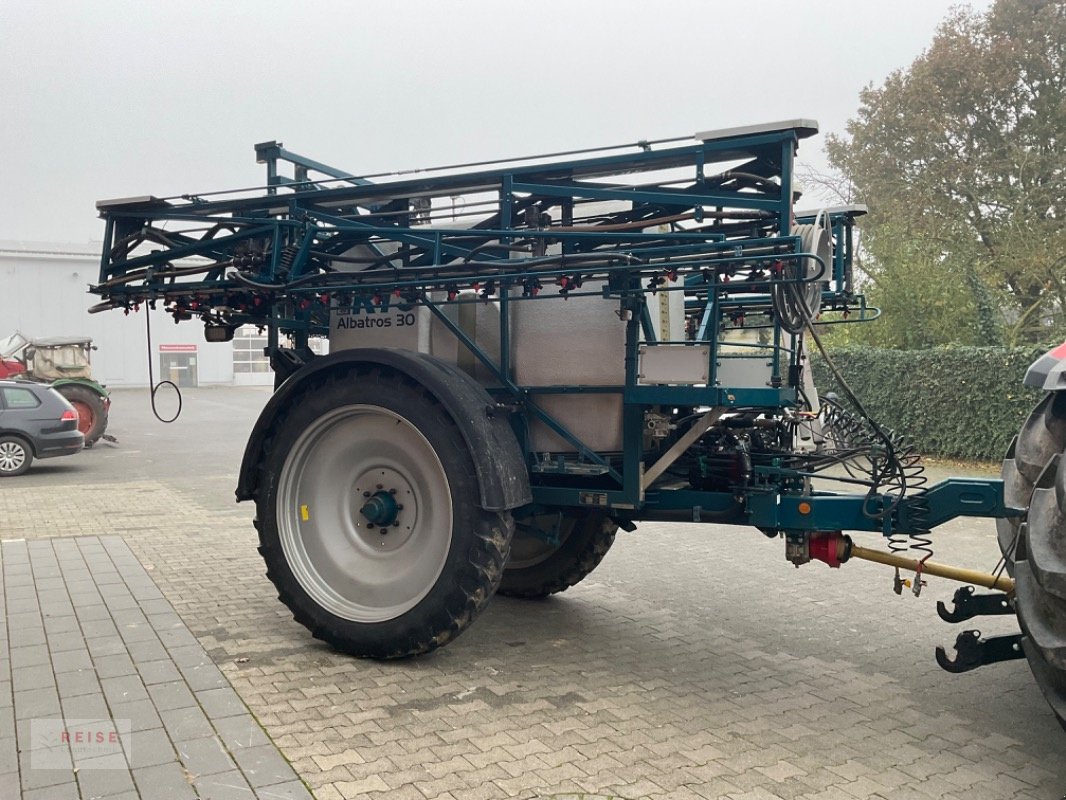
(971, 651)
(969, 605)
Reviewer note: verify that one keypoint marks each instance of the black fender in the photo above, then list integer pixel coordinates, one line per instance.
(1049, 371)
(502, 475)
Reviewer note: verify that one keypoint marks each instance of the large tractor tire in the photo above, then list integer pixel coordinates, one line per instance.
(15, 456)
(1036, 545)
(539, 567)
(369, 517)
(92, 411)
(1042, 437)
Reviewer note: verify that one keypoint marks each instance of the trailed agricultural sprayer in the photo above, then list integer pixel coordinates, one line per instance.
(527, 355)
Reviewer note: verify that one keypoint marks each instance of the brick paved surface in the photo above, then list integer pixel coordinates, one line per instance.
(695, 662)
(105, 691)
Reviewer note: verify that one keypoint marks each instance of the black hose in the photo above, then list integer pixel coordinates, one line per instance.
(151, 375)
(894, 468)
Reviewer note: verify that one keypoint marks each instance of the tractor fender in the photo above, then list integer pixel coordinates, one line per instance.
(1049, 371)
(502, 475)
(88, 384)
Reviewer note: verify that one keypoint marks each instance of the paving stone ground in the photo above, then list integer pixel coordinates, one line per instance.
(695, 662)
(106, 693)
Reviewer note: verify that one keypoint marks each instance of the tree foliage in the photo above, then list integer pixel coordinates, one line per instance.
(961, 159)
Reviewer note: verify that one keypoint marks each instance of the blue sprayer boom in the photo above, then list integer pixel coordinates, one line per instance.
(526, 355)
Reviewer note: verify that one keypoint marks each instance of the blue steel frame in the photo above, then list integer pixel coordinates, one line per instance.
(282, 257)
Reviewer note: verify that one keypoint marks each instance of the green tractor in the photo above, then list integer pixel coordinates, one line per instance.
(62, 362)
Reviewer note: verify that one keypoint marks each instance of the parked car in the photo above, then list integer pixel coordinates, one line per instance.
(62, 362)
(36, 421)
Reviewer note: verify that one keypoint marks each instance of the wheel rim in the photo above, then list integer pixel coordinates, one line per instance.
(86, 418)
(12, 456)
(349, 470)
(529, 548)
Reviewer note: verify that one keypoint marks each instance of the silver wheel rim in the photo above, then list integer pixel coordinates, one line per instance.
(353, 568)
(12, 456)
(528, 549)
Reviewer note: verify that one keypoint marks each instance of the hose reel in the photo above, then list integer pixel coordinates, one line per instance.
(798, 298)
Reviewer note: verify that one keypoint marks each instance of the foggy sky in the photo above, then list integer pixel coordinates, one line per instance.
(119, 98)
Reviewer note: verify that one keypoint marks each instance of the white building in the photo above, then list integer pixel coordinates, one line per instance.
(44, 292)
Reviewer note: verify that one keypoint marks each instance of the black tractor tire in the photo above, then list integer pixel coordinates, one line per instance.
(1039, 551)
(92, 411)
(1042, 436)
(407, 583)
(538, 568)
(16, 455)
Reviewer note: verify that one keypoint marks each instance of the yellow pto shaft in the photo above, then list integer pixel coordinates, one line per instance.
(986, 579)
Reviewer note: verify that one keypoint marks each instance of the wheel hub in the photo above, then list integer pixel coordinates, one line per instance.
(380, 509)
(384, 509)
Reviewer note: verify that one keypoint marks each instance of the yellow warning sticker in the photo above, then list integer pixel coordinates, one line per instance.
(304, 515)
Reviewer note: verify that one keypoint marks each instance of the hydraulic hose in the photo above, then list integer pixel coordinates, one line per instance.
(151, 376)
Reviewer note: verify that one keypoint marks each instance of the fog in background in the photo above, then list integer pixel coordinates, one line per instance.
(118, 98)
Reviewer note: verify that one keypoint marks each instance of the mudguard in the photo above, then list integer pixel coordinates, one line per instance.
(87, 383)
(502, 475)
(1049, 371)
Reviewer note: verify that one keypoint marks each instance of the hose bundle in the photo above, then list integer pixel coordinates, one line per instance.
(798, 297)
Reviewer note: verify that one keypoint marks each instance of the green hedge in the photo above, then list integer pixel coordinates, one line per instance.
(958, 402)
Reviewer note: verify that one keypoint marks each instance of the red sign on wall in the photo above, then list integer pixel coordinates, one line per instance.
(177, 348)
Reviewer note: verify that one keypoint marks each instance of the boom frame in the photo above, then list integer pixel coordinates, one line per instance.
(711, 218)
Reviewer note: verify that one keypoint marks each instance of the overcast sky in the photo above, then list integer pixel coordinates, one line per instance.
(116, 98)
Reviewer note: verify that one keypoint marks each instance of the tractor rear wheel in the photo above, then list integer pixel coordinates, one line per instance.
(1041, 437)
(369, 517)
(539, 566)
(92, 412)
(1036, 546)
